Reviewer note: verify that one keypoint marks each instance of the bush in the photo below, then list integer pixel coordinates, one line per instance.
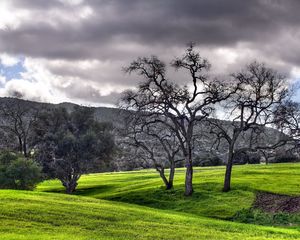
(206, 160)
(255, 216)
(240, 158)
(212, 161)
(7, 157)
(254, 158)
(246, 158)
(285, 157)
(19, 173)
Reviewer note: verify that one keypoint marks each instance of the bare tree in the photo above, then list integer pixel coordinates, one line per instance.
(250, 109)
(154, 145)
(17, 118)
(287, 117)
(182, 106)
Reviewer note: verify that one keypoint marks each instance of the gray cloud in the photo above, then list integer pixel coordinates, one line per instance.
(116, 31)
(214, 22)
(91, 94)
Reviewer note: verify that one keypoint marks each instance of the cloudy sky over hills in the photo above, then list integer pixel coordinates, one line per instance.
(74, 50)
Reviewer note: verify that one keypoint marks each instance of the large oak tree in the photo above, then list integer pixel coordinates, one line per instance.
(181, 105)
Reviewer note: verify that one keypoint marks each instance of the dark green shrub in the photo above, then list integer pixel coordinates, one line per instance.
(254, 158)
(285, 158)
(240, 158)
(246, 158)
(20, 173)
(255, 216)
(7, 157)
(212, 161)
(207, 159)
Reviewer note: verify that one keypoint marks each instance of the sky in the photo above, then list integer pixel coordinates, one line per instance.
(74, 50)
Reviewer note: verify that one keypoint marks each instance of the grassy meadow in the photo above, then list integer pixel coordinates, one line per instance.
(146, 188)
(134, 205)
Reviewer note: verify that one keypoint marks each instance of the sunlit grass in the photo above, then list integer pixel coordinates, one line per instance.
(134, 205)
(35, 215)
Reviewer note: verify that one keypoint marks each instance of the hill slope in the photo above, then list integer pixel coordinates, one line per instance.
(33, 215)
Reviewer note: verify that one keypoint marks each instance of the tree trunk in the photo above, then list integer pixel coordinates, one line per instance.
(227, 180)
(171, 176)
(25, 149)
(163, 176)
(189, 177)
(20, 145)
(266, 158)
(70, 185)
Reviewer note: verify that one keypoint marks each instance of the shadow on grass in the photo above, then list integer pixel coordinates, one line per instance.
(90, 191)
(207, 200)
(141, 177)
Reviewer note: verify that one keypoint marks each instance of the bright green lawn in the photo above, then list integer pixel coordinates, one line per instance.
(40, 215)
(35, 215)
(145, 188)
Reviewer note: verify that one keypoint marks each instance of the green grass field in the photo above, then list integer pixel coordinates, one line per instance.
(134, 205)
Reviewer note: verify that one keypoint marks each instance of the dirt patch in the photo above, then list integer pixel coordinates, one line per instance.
(274, 203)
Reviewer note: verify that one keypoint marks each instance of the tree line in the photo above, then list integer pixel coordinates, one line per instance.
(51, 143)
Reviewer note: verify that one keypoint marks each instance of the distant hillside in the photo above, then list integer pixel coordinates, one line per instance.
(103, 114)
(116, 117)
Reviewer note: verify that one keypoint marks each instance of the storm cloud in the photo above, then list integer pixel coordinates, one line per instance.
(77, 48)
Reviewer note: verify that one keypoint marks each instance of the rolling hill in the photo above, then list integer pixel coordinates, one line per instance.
(133, 205)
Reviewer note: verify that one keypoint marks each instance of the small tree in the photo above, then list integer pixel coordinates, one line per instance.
(16, 119)
(154, 145)
(69, 144)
